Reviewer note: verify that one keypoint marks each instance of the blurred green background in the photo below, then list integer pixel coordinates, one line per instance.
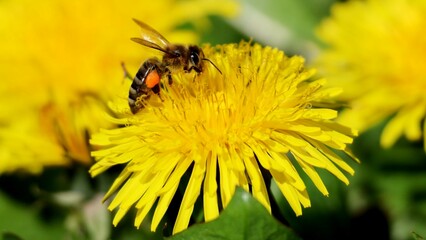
(386, 198)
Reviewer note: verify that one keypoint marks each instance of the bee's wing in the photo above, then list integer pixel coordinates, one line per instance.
(150, 37)
(149, 44)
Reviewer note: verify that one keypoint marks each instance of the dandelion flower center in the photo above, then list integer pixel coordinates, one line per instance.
(260, 112)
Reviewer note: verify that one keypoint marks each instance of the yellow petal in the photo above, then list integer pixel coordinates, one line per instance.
(191, 193)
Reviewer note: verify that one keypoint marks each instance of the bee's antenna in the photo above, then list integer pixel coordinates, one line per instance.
(206, 59)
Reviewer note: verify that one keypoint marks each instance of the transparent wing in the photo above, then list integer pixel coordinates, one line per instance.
(150, 37)
(148, 44)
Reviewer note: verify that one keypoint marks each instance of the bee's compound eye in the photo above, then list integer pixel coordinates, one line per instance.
(195, 58)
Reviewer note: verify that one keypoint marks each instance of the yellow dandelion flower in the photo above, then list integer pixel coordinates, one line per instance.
(377, 54)
(60, 61)
(260, 112)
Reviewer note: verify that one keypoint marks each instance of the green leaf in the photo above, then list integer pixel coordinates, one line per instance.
(23, 221)
(10, 236)
(244, 218)
(416, 236)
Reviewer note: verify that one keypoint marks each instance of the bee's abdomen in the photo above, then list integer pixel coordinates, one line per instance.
(147, 77)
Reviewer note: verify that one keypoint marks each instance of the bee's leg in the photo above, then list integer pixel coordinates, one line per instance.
(156, 90)
(126, 73)
(169, 76)
(168, 73)
(196, 69)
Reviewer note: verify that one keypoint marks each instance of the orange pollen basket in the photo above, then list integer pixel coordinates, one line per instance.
(152, 79)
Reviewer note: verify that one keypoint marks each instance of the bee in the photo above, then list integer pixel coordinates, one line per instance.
(175, 57)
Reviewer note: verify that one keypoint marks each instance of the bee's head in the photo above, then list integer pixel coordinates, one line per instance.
(195, 57)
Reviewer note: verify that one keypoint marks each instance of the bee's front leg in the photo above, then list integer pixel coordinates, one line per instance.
(196, 69)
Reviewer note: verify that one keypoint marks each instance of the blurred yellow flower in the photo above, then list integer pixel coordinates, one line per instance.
(377, 52)
(261, 112)
(60, 61)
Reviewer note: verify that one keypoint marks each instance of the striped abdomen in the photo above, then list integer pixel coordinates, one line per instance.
(147, 80)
